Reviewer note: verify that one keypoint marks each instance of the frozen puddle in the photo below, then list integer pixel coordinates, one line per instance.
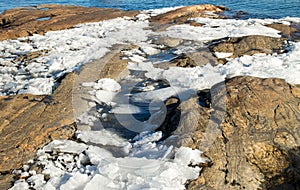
(44, 18)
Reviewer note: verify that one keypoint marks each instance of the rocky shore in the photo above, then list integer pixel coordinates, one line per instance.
(22, 22)
(246, 123)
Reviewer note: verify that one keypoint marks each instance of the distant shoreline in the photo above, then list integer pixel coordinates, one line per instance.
(259, 9)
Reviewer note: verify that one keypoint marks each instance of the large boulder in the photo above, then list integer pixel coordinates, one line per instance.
(250, 132)
(27, 21)
(249, 45)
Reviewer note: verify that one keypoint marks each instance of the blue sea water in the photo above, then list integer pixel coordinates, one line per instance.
(255, 8)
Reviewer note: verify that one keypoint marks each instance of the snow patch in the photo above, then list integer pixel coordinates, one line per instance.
(220, 28)
(148, 164)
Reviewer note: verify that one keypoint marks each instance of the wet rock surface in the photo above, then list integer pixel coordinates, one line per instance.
(257, 144)
(22, 22)
(250, 45)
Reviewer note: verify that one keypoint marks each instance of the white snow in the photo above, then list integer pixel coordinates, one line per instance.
(102, 159)
(37, 181)
(104, 89)
(68, 50)
(155, 12)
(19, 185)
(180, 79)
(291, 19)
(149, 50)
(76, 181)
(96, 154)
(103, 137)
(185, 156)
(98, 182)
(285, 66)
(148, 164)
(107, 84)
(220, 28)
(222, 54)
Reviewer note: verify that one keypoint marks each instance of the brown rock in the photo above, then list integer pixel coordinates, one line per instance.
(167, 41)
(28, 57)
(22, 22)
(250, 133)
(28, 122)
(249, 45)
(183, 61)
(181, 15)
(296, 90)
(291, 32)
(257, 145)
(114, 66)
(200, 58)
(296, 35)
(5, 180)
(194, 23)
(184, 120)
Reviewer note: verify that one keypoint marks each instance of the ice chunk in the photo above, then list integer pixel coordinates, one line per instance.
(222, 55)
(52, 170)
(186, 156)
(96, 154)
(146, 137)
(104, 96)
(103, 137)
(220, 28)
(76, 181)
(148, 49)
(107, 84)
(99, 182)
(37, 181)
(67, 146)
(20, 185)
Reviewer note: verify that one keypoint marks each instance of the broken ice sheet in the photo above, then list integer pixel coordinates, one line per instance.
(67, 146)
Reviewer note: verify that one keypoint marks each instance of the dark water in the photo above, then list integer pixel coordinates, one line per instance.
(255, 8)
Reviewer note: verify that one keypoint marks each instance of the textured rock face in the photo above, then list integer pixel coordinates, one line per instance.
(28, 122)
(189, 60)
(288, 31)
(250, 133)
(22, 22)
(249, 45)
